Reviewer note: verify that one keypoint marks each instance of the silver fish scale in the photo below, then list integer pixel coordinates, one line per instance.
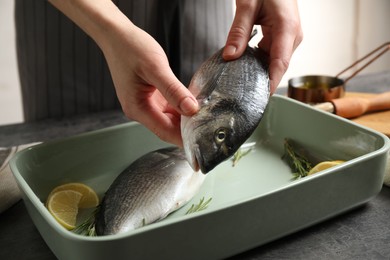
(244, 89)
(144, 192)
(238, 81)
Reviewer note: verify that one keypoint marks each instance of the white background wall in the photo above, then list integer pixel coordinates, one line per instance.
(10, 100)
(336, 33)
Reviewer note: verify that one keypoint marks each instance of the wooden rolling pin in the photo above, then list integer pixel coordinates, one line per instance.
(350, 107)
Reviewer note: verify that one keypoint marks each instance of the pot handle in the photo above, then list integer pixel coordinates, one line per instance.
(385, 47)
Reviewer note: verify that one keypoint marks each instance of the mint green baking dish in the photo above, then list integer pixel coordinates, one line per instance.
(253, 203)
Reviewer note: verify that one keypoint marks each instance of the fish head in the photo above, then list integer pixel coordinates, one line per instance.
(232, 97)
(213, 135)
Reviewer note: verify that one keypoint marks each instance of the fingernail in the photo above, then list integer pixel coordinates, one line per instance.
(229, 50)
(188, 106)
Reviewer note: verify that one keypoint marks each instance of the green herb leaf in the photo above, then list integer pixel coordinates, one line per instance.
(87, 228)
(299, 164)
(200, 206)
(239, 154)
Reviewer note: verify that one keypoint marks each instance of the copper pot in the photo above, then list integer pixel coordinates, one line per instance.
(317, 88)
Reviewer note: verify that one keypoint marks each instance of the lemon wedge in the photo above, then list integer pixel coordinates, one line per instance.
(323, 166)
(64, 202)
(89, 197)
(64, 206)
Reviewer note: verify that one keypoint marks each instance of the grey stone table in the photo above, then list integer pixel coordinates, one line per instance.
(363, 233)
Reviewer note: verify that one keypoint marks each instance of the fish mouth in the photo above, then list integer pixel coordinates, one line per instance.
(198, 160)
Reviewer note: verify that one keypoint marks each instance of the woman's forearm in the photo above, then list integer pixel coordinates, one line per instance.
(100, 19)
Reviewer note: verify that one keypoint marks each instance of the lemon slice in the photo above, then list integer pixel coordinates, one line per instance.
(89, 197)
(323, 166)
(64, 206)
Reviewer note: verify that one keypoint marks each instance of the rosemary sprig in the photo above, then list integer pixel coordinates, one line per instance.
(87, 228)
(200, 206)
(299, 164)
(239, 154)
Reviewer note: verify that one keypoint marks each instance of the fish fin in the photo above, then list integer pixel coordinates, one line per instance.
(212, 83)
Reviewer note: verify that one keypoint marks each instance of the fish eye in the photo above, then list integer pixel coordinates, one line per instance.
(220, 135)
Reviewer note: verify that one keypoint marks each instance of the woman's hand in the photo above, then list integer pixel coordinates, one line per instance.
(282, 33)
(146, 87)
